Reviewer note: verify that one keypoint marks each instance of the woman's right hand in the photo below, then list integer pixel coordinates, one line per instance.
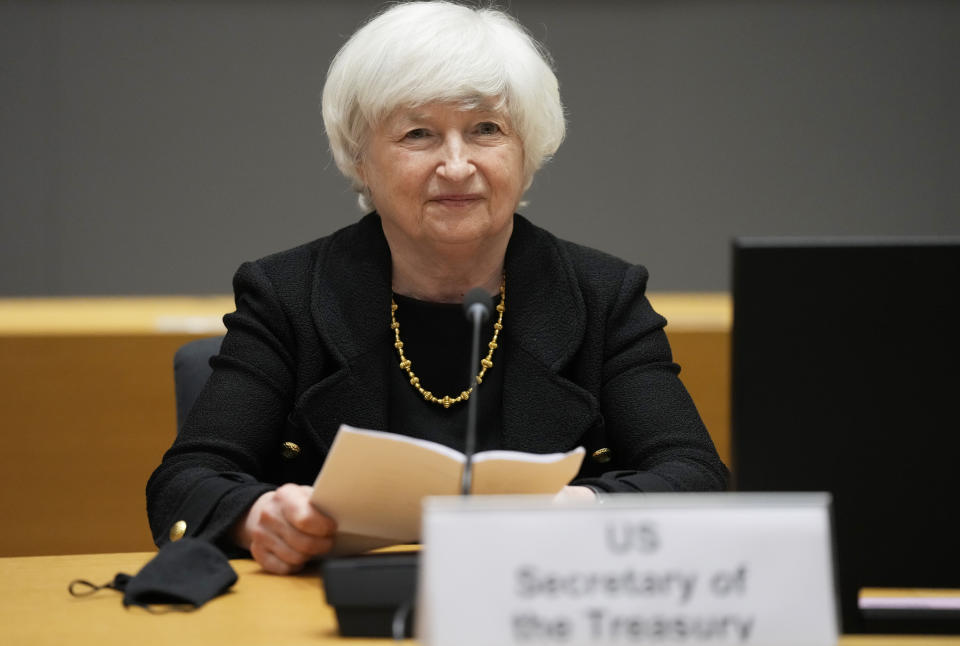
(283, 530)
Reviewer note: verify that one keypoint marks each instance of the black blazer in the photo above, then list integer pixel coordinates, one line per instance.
(310, 347)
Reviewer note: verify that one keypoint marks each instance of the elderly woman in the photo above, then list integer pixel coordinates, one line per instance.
(440, 115)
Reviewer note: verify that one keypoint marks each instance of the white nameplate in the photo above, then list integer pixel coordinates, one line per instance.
(638, 569)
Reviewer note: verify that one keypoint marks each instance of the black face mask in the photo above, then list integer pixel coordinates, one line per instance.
(184, 575)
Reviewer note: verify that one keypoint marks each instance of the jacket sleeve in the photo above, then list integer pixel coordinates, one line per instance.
(656, 436)
(213, 472)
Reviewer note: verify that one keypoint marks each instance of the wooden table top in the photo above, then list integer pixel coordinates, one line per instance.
(261, 609)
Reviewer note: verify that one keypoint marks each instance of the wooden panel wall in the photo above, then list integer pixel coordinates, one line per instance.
(87, 400)
(85, 421)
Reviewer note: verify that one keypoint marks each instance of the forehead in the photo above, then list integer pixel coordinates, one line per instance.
(486, 108)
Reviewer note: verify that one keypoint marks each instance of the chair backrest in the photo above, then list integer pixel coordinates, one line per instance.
(191, 369)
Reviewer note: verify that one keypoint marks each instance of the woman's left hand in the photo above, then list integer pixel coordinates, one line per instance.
(575, 494)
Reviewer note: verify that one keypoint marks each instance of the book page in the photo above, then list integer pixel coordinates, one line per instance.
(372, 482)
(505, 472)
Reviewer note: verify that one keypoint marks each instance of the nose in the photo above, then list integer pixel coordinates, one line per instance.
(455, 164)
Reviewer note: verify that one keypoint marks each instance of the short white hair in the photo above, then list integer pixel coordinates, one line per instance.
(424, 52)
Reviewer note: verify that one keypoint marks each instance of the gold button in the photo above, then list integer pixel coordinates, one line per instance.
(602, 455)
(289, 450)
(178, 530)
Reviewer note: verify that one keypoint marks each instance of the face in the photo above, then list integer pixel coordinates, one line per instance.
(441, 174)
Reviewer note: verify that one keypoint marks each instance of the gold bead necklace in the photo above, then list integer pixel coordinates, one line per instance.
(486, 363)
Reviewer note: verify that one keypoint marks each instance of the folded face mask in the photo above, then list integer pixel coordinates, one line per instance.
(185, 574)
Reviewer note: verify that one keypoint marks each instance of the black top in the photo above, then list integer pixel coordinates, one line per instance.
(437, 341)
(585, 363)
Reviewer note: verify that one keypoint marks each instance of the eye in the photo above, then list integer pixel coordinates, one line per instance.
(417, 133)
(487, 128)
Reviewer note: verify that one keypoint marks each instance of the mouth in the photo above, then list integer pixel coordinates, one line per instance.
(455, 200)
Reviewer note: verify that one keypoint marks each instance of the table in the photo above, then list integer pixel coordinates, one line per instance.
(261, 609)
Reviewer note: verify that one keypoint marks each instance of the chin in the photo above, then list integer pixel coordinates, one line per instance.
(457, 226)
(465, 232)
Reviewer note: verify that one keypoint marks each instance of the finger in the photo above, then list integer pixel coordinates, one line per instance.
(266, 540)
(301, 514)
(324, 545)
(270, 561)
(281, 530)
(575, 494)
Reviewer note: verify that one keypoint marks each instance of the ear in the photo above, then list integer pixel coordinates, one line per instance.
(359, 169)
(358, 163)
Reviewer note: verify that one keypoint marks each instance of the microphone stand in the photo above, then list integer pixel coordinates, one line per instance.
(373, 594)
(477, 304)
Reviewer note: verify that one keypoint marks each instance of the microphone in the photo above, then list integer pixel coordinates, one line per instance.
(476, 305)
(373, 593)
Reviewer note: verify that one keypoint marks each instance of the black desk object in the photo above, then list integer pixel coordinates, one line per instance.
(366, 592)
(846, 378)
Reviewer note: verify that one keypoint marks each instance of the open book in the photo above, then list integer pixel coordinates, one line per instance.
(372, 482)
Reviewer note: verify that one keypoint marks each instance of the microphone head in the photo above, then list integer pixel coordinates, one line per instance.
(477, 302)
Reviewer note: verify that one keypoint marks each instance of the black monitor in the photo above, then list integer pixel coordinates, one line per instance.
(846, 378)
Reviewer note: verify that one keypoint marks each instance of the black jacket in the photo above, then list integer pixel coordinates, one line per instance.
(309, 347)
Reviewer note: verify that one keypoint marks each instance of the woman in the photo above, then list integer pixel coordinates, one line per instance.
(440, 115)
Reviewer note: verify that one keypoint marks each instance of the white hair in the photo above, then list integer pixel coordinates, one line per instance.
(424, 52)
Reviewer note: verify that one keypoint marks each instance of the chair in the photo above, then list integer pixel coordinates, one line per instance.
(191, 369)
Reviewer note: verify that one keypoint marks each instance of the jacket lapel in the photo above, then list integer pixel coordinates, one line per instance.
(350, 307)
(543, 411)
